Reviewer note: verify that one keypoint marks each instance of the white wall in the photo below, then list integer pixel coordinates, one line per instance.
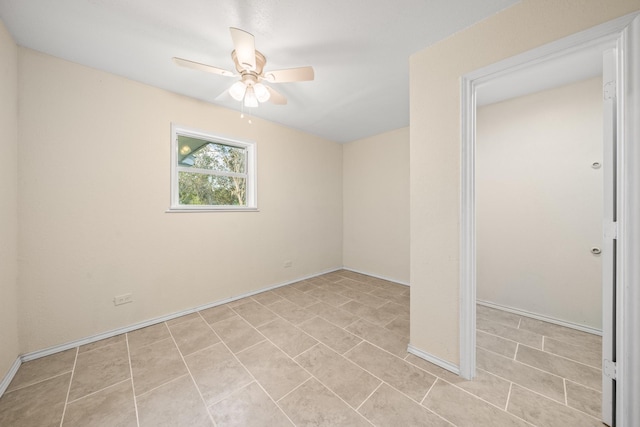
(539, 203)
(94, 188)
(376, 205)
(435, 148)
(9, 347)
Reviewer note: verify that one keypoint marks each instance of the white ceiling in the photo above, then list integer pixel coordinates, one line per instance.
(359, 49)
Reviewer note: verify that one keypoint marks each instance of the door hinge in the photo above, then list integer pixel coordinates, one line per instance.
(609, 90)
(610, 369)
(611, 230)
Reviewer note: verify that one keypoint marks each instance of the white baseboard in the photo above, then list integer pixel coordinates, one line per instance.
(118, 331)
(434, 359)
(376, 276)
(544, 318)
(76, 343)
(4, 384)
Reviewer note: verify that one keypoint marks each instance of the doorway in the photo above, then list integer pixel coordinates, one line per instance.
(539, 194)
(624, 35)
(539, 213)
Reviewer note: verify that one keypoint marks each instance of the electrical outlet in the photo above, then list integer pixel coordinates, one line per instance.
(122, 299)
(288, 263)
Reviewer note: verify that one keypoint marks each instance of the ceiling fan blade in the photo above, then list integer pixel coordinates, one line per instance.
(244, 44)
(202, 67)
(224, 96)
(276, 97)
(300, 74)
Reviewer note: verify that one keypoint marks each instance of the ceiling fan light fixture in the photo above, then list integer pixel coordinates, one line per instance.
(250, 99)
(238, 90)
(261, 92)
(249, 64)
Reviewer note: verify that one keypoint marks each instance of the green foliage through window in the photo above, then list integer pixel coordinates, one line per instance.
(211, 173)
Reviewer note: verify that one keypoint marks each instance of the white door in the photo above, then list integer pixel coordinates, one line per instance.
(609, 239)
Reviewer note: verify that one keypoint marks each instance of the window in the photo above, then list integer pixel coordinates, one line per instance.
(210, 172)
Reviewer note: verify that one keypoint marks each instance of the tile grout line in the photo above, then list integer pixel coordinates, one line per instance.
(530, 366)
(506, 405)
(556, 375)
(473, 395)
(333, 393)
(584, 413)
(421, 404)
(247, 371)
(430, 388)
(532, 391)
(133, 386)
(515, 355)
(383, 381)
(193, 381)
(532, 347)
(489, 403)
(348, 406)
(311, 377)
(360, 367)
(339, 309)
(260, 304)
(336, 394)
(227, 396)
(582, 385)
(571, 360)
(559, 403)
(318, 343)
(295, 327)
(501, 337)
(102, 347)
(37, 382)
(364, 369)
(369, 396)
(564, 385)
(376, 326)
(98, 391)
(162, 385)
(282, 298)
(66, 400)
(246, 348)
(304, 369)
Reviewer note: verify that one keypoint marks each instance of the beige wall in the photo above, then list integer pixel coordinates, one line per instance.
(94, 187)
(435, 148)
(376, 205)
(9, 347)
(539, 203)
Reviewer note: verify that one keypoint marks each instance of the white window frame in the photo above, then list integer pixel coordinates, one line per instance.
(251, 175)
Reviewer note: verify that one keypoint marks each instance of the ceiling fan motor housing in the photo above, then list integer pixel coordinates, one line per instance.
(245, 68)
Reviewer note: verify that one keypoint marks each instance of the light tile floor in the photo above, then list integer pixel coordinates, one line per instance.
(327, 351)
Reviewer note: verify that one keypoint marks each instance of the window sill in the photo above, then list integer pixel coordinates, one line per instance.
(211, 209)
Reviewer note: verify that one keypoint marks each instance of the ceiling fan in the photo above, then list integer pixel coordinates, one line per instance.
(250, 89)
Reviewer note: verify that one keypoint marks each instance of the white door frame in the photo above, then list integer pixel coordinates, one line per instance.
(609, 225)
(624, 33)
